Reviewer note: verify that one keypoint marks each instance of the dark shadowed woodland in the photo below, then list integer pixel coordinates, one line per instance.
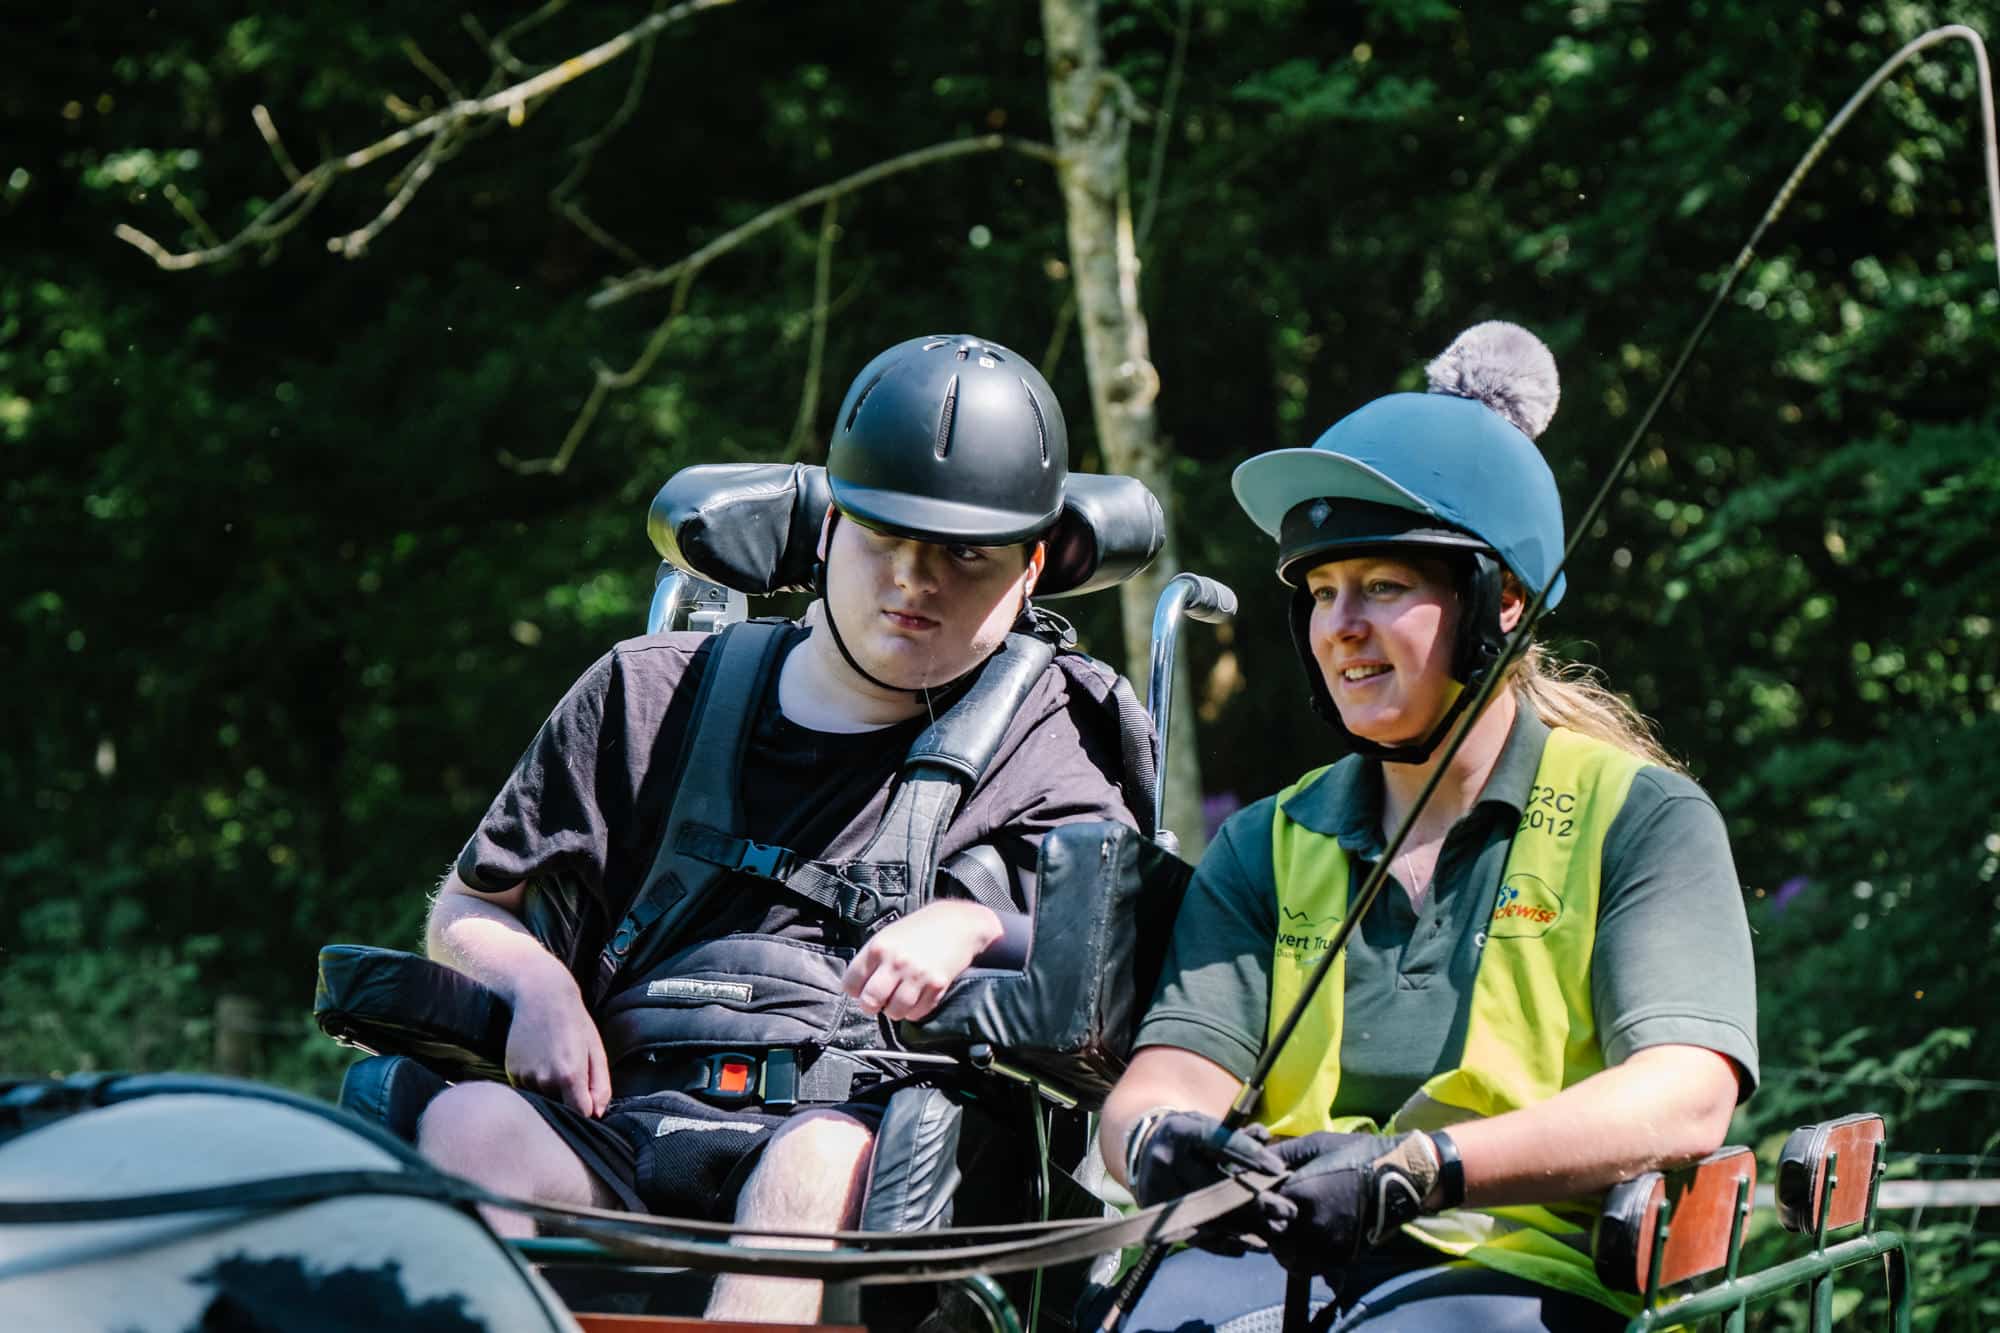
(301, 544)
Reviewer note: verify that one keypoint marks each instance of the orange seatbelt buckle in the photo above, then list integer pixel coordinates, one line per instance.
(733, 1077)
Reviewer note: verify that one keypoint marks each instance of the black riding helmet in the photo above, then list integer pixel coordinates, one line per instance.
(949, 439)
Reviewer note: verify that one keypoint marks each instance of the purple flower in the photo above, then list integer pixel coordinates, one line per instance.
(1216, 808)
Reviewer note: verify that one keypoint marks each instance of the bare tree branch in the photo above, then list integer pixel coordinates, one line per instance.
(511, 102)
(1059, 336)
(608, 382)
(829, 231)
(267, 128)
(355, 243)
(683, 272)
(185, 207)
(284, 213)
(646, 280)
(1156, 169)
(501, 48)
(429, 70)
(586, 155)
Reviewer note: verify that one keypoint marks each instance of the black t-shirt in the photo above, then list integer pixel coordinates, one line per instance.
(586, 805)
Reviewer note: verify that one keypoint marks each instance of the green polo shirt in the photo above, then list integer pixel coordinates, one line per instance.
(1672, 961)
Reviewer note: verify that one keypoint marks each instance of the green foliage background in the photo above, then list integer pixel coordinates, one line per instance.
(278, 613)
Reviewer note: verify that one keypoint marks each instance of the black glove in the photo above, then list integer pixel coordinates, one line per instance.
(1180, 1153)
(1349, 1190)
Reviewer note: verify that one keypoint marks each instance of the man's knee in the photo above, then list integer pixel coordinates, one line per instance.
(478, 1130)
(812, 1171)
(831, 1138)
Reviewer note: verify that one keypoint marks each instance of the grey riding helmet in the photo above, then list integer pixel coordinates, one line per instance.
(950, 439)
(1454, 472)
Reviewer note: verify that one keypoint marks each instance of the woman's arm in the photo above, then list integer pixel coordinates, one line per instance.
(1665, 1106)
(1160, 1076)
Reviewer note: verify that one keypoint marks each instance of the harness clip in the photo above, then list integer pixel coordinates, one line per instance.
(765, 861)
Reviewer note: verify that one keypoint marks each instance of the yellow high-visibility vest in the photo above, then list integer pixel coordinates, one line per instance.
(1530, 1031)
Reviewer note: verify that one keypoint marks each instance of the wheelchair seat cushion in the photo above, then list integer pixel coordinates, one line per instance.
(755, 527)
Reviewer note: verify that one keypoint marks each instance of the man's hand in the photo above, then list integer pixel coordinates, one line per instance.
(904, 969)
(553, 1047)
(1349, 1190)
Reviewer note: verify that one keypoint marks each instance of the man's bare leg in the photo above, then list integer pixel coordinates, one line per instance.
(811, 1178)
(486, 1133)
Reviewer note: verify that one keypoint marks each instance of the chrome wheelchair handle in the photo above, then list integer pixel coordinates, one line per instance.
(682, 601)
(1185, 595)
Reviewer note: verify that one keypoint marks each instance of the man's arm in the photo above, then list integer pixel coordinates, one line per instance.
(904, 969)
(553, 1046)
(1048, 778)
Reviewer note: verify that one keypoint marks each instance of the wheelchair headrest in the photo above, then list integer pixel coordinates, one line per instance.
(755, 527)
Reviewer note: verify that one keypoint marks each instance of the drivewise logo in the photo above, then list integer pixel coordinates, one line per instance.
(1527, 908)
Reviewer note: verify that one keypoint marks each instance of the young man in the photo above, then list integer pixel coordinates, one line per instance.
(947, 466)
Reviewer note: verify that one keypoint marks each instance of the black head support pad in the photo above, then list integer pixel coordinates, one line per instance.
(755, 527)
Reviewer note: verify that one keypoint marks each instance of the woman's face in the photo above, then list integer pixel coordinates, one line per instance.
(915, 614)
(1382, 631)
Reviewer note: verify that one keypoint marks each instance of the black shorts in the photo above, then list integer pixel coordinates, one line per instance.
(672, 1153)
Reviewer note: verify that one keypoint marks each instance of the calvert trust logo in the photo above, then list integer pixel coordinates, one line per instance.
(1526, 909)
(1303, 935)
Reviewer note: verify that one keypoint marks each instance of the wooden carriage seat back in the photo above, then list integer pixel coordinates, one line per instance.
(1702, 1202)
(1852, 1146)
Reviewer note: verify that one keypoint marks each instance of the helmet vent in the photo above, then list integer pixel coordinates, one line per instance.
(936, 343)
(862, 397)
(946, 416)
(1041, 427)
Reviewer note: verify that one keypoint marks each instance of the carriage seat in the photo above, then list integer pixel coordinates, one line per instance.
(1668, 1234)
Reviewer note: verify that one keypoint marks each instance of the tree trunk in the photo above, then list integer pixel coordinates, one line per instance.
(1089, 113)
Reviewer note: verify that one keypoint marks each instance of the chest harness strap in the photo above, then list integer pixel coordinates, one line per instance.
(739, 669)
(894, 873)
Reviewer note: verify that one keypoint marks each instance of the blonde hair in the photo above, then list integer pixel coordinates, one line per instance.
(1570, 694)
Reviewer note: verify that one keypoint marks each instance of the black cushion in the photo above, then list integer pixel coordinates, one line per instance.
(755, 527)
(1104, 908)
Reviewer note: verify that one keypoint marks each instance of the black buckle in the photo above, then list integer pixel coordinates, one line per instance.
(764, 861)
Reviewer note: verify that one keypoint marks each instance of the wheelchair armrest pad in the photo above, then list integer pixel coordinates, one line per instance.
(395, 1003)
(1104, 909)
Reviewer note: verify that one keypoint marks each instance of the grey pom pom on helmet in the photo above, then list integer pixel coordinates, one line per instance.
(1505, 367)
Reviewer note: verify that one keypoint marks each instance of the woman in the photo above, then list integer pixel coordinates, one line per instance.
(1558, 968)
